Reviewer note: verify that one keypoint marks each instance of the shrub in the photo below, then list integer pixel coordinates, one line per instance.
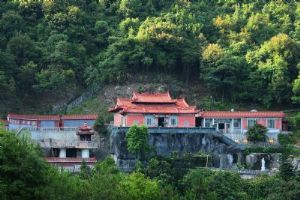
(285, 139)
(296, 121)
(257, 133)
(269, 149)
(137, 140)
(99, 126)
(286, 168)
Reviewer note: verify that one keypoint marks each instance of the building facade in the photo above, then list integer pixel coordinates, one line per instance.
(238, 122)
(66, 140)
(235, 124)
(153, 110)
(69, 152)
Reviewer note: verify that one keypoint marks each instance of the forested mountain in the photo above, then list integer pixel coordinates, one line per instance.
(240, 50)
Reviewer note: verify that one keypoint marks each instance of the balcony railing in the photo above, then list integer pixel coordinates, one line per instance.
(172, 129)
(51, 129)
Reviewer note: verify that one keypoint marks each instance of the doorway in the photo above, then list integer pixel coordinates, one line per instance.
(227, 130)
(221, 127)
(71, 152)
(161, 122)
(198, 121)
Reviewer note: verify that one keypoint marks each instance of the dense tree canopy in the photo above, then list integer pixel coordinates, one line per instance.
(24, 174)
(239, 50)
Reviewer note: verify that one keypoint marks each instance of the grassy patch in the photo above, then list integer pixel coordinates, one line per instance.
(93, 106)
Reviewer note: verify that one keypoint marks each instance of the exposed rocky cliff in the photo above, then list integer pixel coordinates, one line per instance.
(164, 141)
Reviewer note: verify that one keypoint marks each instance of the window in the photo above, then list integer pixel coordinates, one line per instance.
(208, 123)
(173, 121)
(271, 123)
(123, 121)
(251, 122)
(237, 123)
(148, 121)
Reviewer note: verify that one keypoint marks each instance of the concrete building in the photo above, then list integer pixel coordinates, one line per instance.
(71, 151)
(67, 140)
(235, 124)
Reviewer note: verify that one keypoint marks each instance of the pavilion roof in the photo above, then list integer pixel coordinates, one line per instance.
(152, 98)
(158, 103)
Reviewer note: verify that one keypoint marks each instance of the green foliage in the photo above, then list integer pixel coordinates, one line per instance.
(136, 186)
(172, 170)
(257, 133)
(261, 187)
(137, 140)
(100, 126)
(239, 50)
(285, 139)
(296, 121)
(205, 184)
(282, 189)
(286, 167)
(268, 149)
(25, 175)
(22, 169)
(85, 170)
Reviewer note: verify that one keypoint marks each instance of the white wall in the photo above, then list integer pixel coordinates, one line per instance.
(85, 153)
(62, 153)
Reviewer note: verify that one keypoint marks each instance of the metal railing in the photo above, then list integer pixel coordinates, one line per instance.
(243, 171)
(173, 129)
(51, 129)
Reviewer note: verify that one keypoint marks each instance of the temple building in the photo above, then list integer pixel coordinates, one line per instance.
(153, 110)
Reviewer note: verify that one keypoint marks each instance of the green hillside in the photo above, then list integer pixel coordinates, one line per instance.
(239, 51)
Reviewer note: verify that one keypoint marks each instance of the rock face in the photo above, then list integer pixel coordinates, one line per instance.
(165, 141)
(253, 160)
(296, 164)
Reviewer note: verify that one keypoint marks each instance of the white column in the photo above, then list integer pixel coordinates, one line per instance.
(203, 123)
(232, 126)
(85, 153)
(62, 153)
(242, 119)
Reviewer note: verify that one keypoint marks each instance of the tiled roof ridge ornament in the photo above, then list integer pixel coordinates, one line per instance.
(85, 129)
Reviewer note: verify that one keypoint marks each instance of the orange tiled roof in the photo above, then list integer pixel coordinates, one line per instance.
(152, 98)
(161, 104)
(240, 114)
(83, 117)
(51, 117)
(33, 117)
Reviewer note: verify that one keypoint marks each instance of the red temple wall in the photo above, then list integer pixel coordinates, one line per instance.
(137, 119)
(186, 120)
(117, 119)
